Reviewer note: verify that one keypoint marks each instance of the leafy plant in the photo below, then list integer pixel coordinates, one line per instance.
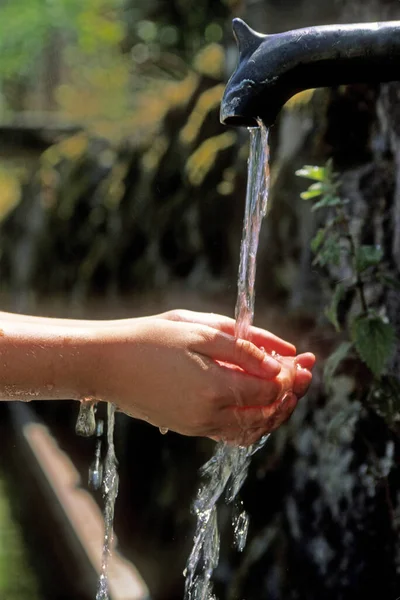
(369, 333)
(27, 26)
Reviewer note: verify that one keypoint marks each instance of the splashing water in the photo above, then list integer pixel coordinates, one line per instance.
(110, 492)
(227, 470)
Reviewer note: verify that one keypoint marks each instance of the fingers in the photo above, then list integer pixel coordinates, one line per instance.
(269, 417)
(259, 337)
(303, 376)
(254, 422)
(249, 391)
(302, 382)
(306, 360)
(242, 353)
(271, 342)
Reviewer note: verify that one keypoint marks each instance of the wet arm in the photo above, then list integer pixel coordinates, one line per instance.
(41, 359)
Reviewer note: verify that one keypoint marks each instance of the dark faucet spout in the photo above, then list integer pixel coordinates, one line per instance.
(272, 68)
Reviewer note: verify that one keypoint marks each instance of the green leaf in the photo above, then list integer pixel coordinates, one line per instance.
(318, 240)
(368, 256)
(310, 193)
(334, 360)
(374, 340)
(326, 201)
(331, 310)
(329, 252)
(312, 172)
(315, 190)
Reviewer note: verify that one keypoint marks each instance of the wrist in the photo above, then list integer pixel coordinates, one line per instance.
(42, 361)
(82, 364)
(117, 356)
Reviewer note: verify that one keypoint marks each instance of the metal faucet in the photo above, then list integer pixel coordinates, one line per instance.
(272, 68)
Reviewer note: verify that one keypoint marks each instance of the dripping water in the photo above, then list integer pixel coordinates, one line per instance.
(95, 478)
(227, 470)
(110, 492)
(86, 421)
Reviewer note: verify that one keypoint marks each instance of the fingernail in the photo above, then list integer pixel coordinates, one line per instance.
(271, 365)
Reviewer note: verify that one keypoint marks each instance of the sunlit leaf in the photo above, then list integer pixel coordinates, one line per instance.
(312, 172)
(313, 191)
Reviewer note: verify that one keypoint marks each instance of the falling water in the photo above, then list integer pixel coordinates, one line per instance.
(110, 492)
(227, 470)
(86, 421)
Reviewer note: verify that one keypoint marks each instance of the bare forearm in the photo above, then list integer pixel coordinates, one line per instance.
(80, 323)
(41, 359)
(180, 370)
(50, 321)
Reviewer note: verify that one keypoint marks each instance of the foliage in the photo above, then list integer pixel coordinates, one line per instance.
(374, 340)
(26, 27)
(66, 55)
(180, 25)
(369, 334)
(112, 66)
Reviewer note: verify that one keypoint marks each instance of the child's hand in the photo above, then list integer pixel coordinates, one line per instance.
(171, 371)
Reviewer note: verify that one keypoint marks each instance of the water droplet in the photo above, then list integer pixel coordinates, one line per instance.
(99, 428)
(163, 430)
(240, 529)
(50, 386)
(86, 422)
(95, 478)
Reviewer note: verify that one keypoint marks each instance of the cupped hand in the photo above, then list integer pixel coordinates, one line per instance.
(294, 379)
(295, 376)
(187, 372)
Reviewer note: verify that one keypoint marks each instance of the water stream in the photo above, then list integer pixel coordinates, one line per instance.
(105, 476)
(110, 492)
(227, 470)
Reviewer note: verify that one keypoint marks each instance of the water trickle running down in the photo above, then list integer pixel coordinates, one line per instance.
(86, 422)
(227, 470)
(95, 478)
(110, 492)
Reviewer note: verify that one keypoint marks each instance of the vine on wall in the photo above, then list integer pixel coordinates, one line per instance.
(363, 325)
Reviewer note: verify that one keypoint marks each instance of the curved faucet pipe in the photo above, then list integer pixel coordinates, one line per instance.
(273, 68)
